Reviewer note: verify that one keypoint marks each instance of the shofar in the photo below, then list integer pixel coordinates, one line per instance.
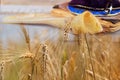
(82, 23)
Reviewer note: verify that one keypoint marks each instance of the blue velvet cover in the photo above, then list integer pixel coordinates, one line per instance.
(95, 12)
(94, 4)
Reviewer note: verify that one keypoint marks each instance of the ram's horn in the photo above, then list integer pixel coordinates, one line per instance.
(115, 28)
(55, 18)
(83, 23)
(37, 19)
(86, 23)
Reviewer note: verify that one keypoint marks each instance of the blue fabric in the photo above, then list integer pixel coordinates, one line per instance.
(99, 13)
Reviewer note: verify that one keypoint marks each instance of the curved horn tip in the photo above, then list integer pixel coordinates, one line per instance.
(56, 6)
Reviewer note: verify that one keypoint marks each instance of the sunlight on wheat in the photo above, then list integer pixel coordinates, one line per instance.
(82, 57)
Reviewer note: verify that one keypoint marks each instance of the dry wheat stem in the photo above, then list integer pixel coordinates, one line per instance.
(90, 55)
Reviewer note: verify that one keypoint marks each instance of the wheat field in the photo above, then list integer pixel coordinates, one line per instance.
(80, 57)
(63, 57)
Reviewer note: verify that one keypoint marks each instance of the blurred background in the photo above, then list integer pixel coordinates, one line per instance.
(17, 6)
(32, 2)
